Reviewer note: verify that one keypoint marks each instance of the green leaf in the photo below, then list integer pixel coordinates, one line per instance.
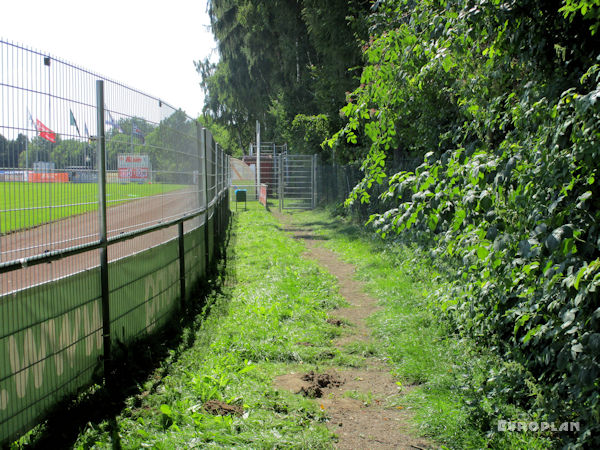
(166, 410)
(482, 252)
(433, 221)
(531, 333)
(459, 217)
(582, 198)
(594, 342)
(520, 322)
(448, 63)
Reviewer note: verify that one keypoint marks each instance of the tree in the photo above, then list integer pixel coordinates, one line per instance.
(10, 150)
(279, 59)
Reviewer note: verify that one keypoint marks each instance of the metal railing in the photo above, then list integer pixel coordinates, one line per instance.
(112, 207)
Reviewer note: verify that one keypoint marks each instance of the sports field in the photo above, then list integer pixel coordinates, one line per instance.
(25, 205)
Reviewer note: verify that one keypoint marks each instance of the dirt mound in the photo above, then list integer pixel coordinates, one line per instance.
(217, 408)
(335, 322)
(318, 382)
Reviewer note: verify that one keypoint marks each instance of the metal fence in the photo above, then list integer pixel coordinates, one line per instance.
(335, 183)
(296, 181)
(112, 207)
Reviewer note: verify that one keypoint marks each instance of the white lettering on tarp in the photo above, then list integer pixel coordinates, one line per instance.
(33, 357)
(69, 334)
(157, 296)
(92, 322)
(30, 355)
(3, 399)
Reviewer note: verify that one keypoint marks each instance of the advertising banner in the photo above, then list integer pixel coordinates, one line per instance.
(133, 167)
(262, 196)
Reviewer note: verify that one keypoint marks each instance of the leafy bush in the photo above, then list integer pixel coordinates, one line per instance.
(502, 102)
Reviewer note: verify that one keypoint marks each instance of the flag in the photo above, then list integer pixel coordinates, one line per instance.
(87, 133)
(74, 122)
(113, 123)
(45, 132)
(31, 120)
(136, 131)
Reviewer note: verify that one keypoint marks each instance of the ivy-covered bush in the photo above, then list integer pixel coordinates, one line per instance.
(501, 99)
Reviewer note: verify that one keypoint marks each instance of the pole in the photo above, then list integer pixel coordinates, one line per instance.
(257, 156)
(280, 182)
(203, 145)
(314, 181)
(102, 235)
(181, 248)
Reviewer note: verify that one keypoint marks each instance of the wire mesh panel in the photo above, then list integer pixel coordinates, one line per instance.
(50, 333)
(334, 183)
(109, 200)
(296, 174)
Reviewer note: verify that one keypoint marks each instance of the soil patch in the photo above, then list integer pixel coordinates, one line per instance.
(317, 382)
(335, 322)
(364, 405)
(217, 408)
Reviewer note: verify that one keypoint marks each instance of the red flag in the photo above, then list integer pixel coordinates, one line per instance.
(45, 132)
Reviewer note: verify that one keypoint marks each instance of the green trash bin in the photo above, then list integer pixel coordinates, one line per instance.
(240, 196)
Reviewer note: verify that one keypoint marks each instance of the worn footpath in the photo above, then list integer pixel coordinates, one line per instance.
(363, 404)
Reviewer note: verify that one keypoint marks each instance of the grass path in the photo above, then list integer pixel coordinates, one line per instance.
(280, 327)
(365, 410)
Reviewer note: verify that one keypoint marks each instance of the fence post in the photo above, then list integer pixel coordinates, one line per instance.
(181, 263)
(257, 158)
(227, 187)
(102, 233)
(280, 181)
(221, 183)
(217, 187)
(314, 181)
(206, 218)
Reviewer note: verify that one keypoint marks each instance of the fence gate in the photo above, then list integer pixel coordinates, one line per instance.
(296, 181)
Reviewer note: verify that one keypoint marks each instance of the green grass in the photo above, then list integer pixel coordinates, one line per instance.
(275, 302)
(26, 205)
(448, 374)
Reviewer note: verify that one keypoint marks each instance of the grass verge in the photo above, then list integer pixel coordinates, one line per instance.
(449, 374)
(273, 302)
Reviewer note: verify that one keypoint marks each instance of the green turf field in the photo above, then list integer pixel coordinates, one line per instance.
(24, 205)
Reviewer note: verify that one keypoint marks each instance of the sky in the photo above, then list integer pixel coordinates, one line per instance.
(148, 45)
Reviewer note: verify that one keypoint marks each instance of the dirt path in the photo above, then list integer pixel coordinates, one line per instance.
(362, 404)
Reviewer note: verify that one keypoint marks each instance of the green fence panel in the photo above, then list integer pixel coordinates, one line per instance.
(194, 249)
(144, 291)
(48, 349)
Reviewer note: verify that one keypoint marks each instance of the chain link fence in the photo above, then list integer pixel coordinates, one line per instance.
(112, 207)
(336, 182)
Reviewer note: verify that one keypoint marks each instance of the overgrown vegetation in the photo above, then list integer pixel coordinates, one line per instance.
(501, 100)
(446, 375)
